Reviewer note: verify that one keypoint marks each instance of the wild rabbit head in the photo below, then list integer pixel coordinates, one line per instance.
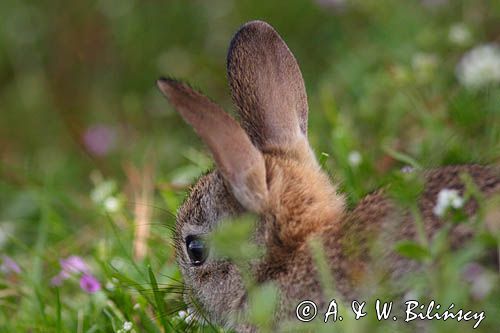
(265, 166)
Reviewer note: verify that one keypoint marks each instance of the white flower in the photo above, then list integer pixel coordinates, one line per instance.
(447, 198)
(137, 306)
(110, 285)
(459, 34)
(457, 202)
(407, 169)
(182, 314)
(127, 326)
(411, 295)
(102, 191)
(105, 195)
(188, 316)
(480, 66)
(111, 204)
(354, 158)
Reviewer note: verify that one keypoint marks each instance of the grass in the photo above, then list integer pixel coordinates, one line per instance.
(382, 85)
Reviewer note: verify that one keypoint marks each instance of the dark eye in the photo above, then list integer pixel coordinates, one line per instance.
(197, 249)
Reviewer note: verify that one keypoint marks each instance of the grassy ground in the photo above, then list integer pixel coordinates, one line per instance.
(94, 163)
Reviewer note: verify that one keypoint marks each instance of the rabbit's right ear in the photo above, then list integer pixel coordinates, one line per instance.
(240, 162)
(267, 87)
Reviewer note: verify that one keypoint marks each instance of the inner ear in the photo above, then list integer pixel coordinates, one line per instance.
(267, 86)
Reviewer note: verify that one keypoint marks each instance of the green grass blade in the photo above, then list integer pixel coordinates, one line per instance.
(160, 306)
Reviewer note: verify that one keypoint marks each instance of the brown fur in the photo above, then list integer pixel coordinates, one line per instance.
(377, 219)
(269, 169)
(267, 87)
(237, 158)
(299, 192)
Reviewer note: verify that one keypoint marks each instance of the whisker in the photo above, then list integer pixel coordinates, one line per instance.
(164, 210)
(167, 289)
(198, 312)
(171, 278)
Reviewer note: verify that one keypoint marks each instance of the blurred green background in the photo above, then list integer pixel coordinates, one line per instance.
(80, 113)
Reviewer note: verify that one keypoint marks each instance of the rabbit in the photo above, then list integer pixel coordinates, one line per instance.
(265, 166)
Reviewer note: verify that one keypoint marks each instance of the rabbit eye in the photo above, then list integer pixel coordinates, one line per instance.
(197, 249)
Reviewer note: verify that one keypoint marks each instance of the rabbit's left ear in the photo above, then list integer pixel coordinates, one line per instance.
(267, 87)
(241, 164)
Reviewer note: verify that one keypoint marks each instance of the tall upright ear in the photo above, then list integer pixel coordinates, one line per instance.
(267, 86)
(240, 162)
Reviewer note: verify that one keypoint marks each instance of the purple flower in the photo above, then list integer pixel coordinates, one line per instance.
(89, 283)
(99, 139)
(472, 271)
(481, 283)
(59, 278)
(9, 265)
(482, 287)
(74, 265)
(407, 169)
